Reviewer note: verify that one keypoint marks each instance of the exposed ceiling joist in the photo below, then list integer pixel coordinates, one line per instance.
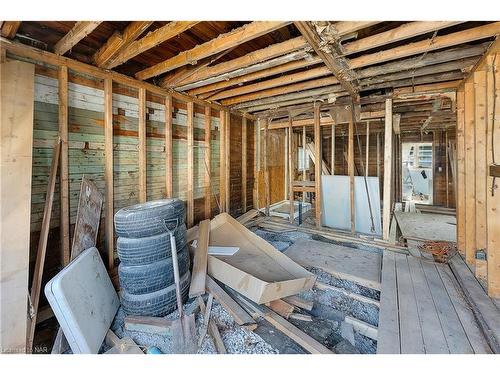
(119, 41)
(151, 40)
(9, 28)
(75, 35)
(324, 39)
(428, 45)
(259, 71)
(171, 80)
(405, 31)
(252, 58)
(222, 42)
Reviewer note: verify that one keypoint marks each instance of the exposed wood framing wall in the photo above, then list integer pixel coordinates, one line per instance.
(478, 135)
(129, 137)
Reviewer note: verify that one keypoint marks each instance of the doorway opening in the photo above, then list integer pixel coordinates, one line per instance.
(417, 172)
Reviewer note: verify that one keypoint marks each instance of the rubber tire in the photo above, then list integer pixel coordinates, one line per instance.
(159, 303)
(140, 251)
(149, 278)
(148, 219)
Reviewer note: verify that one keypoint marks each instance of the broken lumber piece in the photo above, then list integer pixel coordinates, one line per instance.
(198, 276)
(239, 315)
(299, 302)
(214, 331)
(206, 317)
(306, 318)
(281, 307)
(149, 324)
(363, 328)
(247, 216)
(280, 323)
(322, 286)
(301, 338)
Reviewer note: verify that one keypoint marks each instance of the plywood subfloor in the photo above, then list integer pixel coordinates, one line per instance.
(427, 226)
(423, 310)
(362, 267)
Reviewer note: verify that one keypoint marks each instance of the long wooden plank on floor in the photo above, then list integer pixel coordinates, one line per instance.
(199, 274)
(464, 312)
(450, 323)
(409, 325)
(239, 315)
(489, 316)
(434, 341)
(388, 327)
(301, 338)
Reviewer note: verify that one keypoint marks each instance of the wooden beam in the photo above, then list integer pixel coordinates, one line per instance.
(480, 128)
(169, 190)
(428, 45)
(405, 31)
(119, 41)
(64, 173)
(256, 164)
(190, 164)
(493, 156)
(350, 169)
(151, 40)
(208, 161)
(172, 79)
(317, 165)
(300, 60)
(244, 163)
(9, 29)
(470, 176)
(77, 33)
(330, 54)
(275, 50)
(251, 58)
(266, 166)
(367, 148)
(199, 274)
(291, 171)
(227, 162)
(43, 57)
(386, 210)
(396, 121)
(332, 146)
(142, 146)
(222, 42)
(42, 247)
(265, 69)
(108, 170)
(222, 161)
(276, 82)
(240, 316)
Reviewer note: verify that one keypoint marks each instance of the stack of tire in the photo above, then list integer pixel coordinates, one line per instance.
(145, 269)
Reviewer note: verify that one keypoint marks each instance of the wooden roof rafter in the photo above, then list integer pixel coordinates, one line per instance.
(118, 42)
(152, 39)
(9, 28)
(222, 42)
(79, 31)
(324, 39)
